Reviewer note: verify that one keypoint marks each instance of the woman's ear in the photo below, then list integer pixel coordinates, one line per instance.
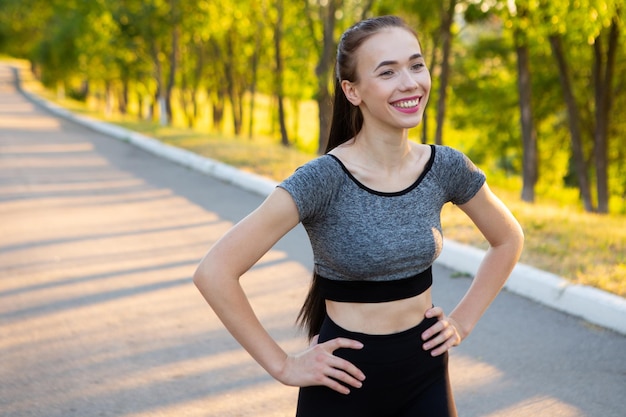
(351, 92)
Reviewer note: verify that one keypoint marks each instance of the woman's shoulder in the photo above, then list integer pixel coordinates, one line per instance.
(456, 173)
(440, 153)
(446, 157)
(321, 165)
(313, 184)
(318, 171)
(447, 153)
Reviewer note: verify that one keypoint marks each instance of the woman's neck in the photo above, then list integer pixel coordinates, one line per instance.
(386, 163)
(385, 150)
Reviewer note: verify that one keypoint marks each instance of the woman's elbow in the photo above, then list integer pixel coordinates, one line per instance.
(204, 278)
(510, 239)
(200, 276)
(517, 238)
(212, 277)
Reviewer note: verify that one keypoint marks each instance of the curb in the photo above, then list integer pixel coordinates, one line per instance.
(593, 305)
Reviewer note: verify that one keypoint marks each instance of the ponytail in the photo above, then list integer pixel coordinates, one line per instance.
(347, 119)
(346, 123)
(313, 310)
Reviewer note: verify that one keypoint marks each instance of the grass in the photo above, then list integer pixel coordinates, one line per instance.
(583, 248)
(262, 155)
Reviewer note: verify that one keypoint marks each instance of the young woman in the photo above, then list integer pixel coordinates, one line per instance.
(371, 207)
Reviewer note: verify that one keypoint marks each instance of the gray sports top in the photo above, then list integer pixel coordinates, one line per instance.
(372, 246)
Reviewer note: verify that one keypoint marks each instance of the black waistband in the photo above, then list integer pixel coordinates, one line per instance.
(375, 291)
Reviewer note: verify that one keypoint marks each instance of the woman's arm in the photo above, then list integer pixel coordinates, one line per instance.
(506, 240)
(217, 278)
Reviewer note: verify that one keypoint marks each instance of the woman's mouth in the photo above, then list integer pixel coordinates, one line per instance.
(410, 105)
(407, 104)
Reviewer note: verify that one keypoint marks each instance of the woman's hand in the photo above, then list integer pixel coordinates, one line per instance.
(318, 366)
(443, 335)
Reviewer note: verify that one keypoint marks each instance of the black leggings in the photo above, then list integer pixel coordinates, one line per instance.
(401, 379)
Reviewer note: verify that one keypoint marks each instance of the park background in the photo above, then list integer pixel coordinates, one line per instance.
(532, 90)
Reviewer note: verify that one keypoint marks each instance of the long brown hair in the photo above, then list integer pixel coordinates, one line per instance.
(347, 121)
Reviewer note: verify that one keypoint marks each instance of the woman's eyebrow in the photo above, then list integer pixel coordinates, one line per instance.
(411, 58)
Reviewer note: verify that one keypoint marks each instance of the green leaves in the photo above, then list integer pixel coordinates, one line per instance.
(211, 55)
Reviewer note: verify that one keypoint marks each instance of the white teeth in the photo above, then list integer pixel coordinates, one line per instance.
(407, 104)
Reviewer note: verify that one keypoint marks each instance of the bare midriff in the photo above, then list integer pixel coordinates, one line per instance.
(380, 318)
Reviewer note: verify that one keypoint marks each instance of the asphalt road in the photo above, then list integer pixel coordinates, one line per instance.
(99, 317)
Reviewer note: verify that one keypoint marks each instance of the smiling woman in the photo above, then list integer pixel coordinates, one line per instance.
(371, 207)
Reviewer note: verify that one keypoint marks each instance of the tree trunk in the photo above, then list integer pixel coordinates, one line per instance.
(426, 117)
(218, 91)
(573, 118)
(255, 73)
(218, 109)
(172, 74)
(122, 105)
(446, 36)
(140, 105)
(284, 138)
(184, 103)
(108, 99)
(603, 85)
(295, 105)
(529, 135)
(231, 82)
(160, 91)
(252, 103)
(199, 69)
(323, 71)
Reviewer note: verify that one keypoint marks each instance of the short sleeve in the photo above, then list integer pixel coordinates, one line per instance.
(459, 177)
(311, 187)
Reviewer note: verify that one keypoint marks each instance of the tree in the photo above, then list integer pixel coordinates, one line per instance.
(603, 74)
(447, 18)
(56, 52)
(593, 24)
(487, 59)
(573, 122)
(278, 36)
(521, 25)
(326, 14)
(254, 62)
(24, 20)
(173, 55)
(419, 14)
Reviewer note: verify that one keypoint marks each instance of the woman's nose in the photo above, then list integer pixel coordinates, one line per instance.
(408, 81)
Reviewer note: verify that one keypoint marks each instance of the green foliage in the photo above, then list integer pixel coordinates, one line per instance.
(487, 70)
(212, 54)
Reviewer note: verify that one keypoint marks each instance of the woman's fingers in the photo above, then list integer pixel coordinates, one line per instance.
(446, 339)
(341, 369)
(435, 328)
(340, 380)
(441, 336)
(346, 372)
(319, 366)
(342, 342)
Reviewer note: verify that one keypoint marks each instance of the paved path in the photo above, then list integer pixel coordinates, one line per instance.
(99, 317)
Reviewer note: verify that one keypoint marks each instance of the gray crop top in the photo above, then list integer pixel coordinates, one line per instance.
(372, 246)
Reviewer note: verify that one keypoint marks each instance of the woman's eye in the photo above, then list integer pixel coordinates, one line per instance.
(387, 73)
(418, 66)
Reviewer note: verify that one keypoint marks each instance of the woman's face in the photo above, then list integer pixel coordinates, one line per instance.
(393, 81)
